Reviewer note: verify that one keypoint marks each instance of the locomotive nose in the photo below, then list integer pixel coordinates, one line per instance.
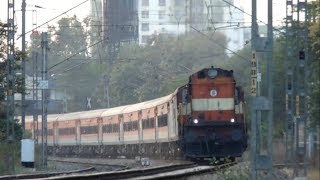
(236, 135)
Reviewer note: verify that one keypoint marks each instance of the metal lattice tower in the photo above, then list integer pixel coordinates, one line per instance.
(261, 160)
(10, 78)
(35, 96)
(289, 126)
(10, 71)
(301, 102)
(296, 85)
(45, 98)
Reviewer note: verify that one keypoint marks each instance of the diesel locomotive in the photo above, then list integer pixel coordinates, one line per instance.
(202, 119)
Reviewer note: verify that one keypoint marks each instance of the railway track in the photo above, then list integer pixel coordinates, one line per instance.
(46, 175)
(88, 167)
(98, 166)
(162, 172)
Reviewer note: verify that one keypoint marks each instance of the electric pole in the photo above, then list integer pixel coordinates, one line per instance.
(10, 85)
(296, 86)
(23, 49)
(44, 85)
(289, 126)
(35, 95)
(261, 161)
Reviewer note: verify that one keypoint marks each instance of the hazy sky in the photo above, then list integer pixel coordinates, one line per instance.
(53, 8)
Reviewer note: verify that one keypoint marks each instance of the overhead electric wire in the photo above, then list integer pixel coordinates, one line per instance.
(118, 25)
(249, 15)
(82, 50)
(54, 18)
(224, 47)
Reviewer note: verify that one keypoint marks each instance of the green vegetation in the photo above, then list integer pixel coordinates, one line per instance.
(136, 74)
(139, 73)
(9, 152)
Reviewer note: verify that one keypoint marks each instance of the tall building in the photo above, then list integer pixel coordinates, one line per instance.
(119, 19)
(96, 11)
(127, 20)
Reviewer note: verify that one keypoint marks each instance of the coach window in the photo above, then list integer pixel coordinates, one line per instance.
(67, 131)
(151, 122)
(115, 128)
(89, 130)
(107, 128)
(50, 132)
(144, 123)
(134, 125)
(236, 96)
(125, 126)
(163, 120)
(130, 126)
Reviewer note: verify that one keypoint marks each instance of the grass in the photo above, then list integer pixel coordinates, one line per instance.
(314, 173)
(10, 159)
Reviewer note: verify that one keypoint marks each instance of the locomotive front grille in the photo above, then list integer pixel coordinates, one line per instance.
(194, 148)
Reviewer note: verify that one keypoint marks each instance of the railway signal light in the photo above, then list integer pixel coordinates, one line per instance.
(302, 55)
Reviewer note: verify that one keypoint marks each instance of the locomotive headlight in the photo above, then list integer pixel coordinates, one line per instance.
(195, 121)
(232, 120)
(212, 73)
(213, 93)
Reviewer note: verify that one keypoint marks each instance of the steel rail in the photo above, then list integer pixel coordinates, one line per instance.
(162, 172)
(45, 175)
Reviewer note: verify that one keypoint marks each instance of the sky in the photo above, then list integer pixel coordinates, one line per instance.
(52, 8)
(38, 16)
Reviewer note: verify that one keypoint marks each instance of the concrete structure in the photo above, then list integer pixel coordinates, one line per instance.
(27, 152)
(157, 17)
(177, 16)
(56, 97)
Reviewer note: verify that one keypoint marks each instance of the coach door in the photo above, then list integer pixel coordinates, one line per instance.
(100, 134)
(140, 131)
(121, 131)
(78, 136)
(156, 129)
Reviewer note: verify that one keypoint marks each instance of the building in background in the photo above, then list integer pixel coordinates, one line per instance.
(33, 103)
(138, 20)
(119, 24)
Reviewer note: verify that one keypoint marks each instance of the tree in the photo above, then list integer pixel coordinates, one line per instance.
(142, 73)
(19, 89)
(70, 66)
(314, 84)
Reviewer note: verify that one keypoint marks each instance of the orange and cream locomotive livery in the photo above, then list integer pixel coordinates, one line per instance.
(204, 118)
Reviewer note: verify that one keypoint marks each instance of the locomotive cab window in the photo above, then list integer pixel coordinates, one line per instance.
(201, 75)
(184, 96)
